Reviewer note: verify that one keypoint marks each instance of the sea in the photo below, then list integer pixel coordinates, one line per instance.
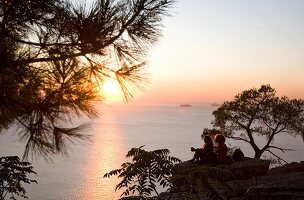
(120, 127)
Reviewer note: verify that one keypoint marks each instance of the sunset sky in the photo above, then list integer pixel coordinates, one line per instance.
(213, 49)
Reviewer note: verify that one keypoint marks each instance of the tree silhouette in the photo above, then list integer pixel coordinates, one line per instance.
(259, 112)
(146, 171)
(54, 55)
(13, 174)
(149, 171)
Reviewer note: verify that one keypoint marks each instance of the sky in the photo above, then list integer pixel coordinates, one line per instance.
(212, 50)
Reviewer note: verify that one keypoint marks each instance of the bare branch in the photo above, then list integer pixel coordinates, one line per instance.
(278, 157)
(238, 138)
(281, 149)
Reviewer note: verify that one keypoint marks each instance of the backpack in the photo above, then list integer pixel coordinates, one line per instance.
(238, 155)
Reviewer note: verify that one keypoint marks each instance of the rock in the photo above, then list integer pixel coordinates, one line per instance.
(252, 180)
(178, 196)
(245, 169)
(288, 168)
(242, 172)
(248, 168)
(277, 187)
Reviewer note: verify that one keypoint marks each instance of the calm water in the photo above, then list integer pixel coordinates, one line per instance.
(119, 128)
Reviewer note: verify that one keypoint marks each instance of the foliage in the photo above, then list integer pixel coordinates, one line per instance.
(150, 169)
(259, 112)
(13, 173)
(147, 169)
(55, 55)
(211, 132)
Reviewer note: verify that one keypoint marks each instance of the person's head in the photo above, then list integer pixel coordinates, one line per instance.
(207, 139)
(219, 138)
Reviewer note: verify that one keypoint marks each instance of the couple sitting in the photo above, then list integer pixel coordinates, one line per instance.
(206, 154)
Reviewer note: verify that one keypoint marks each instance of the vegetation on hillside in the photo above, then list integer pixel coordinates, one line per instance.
(259, 112)
(149, 171)
(13, 174)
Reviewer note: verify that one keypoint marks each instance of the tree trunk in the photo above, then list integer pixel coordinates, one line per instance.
(258, 153)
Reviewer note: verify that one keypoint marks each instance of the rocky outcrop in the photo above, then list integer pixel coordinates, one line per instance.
(284, 182)
(248, 168)
(285, 186)
(252, 179)
(245, 169)
(288, 168)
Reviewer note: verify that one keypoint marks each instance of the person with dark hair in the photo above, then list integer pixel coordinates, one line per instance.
(221, 148)
(205, 154)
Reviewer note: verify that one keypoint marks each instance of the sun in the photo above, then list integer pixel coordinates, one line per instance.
(111, 91)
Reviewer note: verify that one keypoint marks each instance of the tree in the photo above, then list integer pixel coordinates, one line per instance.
(147, 169)
(13, 173)
(259, 112)
(54, 55)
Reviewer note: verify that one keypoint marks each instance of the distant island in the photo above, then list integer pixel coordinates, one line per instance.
(215, 104)
(185, 105)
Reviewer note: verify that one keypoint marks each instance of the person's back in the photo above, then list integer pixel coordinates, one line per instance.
(221, 153)
(206, 153)
(221, 149)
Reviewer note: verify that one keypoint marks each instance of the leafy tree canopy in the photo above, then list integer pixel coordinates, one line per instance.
(259, 112)
(54, 55)
(146, 170)
(13, 173)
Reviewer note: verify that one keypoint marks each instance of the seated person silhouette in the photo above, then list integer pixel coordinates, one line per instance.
(221, 149)
(205, 154)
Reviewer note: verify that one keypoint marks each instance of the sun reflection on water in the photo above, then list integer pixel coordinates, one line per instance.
(106, 153)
